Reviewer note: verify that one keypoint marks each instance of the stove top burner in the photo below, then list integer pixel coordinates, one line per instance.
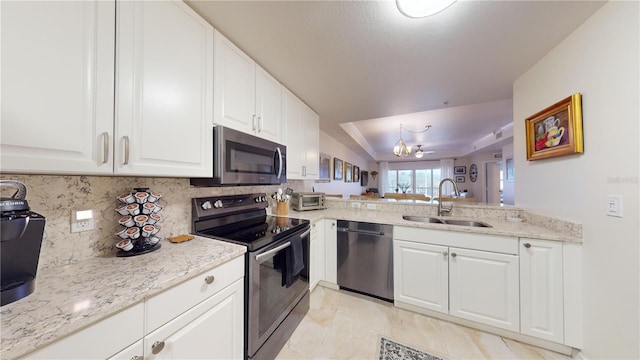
(257, 232)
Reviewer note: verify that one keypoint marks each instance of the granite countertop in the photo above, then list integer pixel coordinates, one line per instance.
(498, 226)
(72, 297)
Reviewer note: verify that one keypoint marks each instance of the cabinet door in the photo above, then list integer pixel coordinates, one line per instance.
(268, 106)
(541, 305)
(331, 251)
(213, 329)
(235, 87)
(421, 275)
(57, 86)
(164, 89)
(313, 263)
(296, 149)
(312, 143)
(483, 287)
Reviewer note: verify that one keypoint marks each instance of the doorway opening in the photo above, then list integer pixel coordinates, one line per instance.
(493, 182)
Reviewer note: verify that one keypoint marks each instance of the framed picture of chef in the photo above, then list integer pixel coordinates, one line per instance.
(556, 130)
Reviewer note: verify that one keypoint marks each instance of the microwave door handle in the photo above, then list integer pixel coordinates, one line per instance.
(279, 154)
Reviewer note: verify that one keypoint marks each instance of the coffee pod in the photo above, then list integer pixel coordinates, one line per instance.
(122, 233)
(133, 209)
(126, 198)
(153, 240)
(126, 221)
(125, 245)
(141, 220)
(153, 196)
(157, 208)
(148, 208)
(156, 229)
(148, 230)
(141, 197)
(133, 233)
(153, 218)
(122, 210)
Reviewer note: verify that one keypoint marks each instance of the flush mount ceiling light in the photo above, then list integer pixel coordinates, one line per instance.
(422, 8)
(402, 150)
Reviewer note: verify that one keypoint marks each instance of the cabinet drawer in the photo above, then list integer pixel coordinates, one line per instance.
(467, 240)
(175, 301)
(99, 341)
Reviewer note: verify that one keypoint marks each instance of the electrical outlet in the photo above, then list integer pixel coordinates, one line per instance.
(614, 205)
(371, 206)
(355, 205)
(82, 220)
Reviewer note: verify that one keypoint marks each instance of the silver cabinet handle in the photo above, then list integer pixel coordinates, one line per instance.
(209, 279)
(527, 245)
(254, 123)
(454, 254)
(260, 124)
(126, 150)
(137, 357)
(445, 253)
(105, 147)
(157, 347)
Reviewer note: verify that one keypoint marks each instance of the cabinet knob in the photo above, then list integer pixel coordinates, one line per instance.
(445, 253)
(209, 279)
(454, 254)
(157, 347)
(527, 245)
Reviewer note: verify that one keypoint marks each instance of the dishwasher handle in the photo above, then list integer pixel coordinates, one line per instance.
(364, 232)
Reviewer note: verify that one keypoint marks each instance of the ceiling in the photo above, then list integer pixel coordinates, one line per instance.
(361, 65)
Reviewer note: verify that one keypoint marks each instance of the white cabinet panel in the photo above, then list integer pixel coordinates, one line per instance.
(268, 106)
(331, 251)
(211, 330)
(133, 352)
(541, 304)
(57, 86)
(301, 138)
(164, 96)
(421, 275)
(483, 287)
(317, 250)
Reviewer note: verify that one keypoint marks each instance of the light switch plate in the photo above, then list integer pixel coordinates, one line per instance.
(355, 205)
(82, 220)
(614, 205)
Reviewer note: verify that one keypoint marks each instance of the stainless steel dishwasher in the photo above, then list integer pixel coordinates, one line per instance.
(365, 258)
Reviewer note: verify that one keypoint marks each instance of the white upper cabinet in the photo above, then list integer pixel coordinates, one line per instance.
(57, 87)
(246, 97)
(164, 98)
(302, 138)
(58, 76)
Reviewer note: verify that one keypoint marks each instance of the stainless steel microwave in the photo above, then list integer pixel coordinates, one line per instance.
(243, 159)
(307, 201)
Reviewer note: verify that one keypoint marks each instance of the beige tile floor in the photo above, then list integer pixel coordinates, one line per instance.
(344, 325)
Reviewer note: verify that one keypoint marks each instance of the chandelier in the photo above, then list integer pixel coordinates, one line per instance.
(402, 150)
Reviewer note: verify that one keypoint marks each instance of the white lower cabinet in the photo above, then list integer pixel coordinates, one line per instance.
(421, 275)
(541, 289)
(133, 352)
(331, 251)
(317, 254)
(483, 287)
(212, 329)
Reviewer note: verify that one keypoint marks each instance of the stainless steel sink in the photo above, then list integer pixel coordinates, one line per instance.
(423, 219)
(432, 220)
(466, 223)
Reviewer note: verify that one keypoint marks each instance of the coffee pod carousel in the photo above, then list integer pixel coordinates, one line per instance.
(139, 210)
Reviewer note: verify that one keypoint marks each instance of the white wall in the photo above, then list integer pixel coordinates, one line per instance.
(600, 60)
(331, 146)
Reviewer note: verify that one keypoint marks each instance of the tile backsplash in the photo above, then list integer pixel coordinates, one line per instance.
(55, 196)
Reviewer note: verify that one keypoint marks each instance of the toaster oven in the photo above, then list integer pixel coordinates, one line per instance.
(307, 201)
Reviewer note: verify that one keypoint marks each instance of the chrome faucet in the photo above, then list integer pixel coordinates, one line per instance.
(441, 210)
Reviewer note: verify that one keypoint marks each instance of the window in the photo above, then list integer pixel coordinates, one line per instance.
(418, 181)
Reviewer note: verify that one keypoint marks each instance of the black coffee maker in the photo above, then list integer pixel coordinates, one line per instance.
(20, 241)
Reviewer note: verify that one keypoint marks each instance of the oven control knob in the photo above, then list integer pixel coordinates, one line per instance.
(206, 205)
(263, 199)
(217, 204)
(258, 199)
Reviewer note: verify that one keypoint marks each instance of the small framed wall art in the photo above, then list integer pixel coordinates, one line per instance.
(459, 179)
(356, 173)
(338, 166)
(556, 130)
(348, 172)
(325, 168)
(459, 170)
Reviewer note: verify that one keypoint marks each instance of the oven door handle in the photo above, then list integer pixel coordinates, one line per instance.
(268, 254)
(304, 234)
